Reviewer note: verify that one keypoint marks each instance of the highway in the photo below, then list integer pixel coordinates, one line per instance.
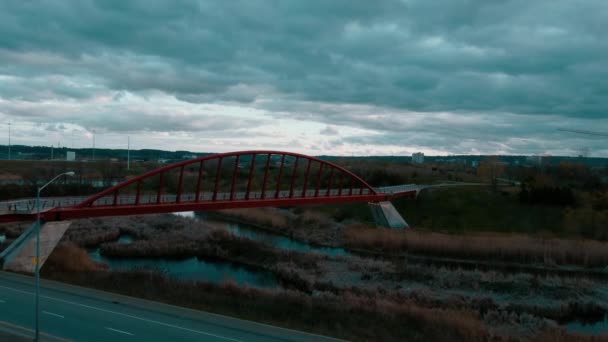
(71, 313)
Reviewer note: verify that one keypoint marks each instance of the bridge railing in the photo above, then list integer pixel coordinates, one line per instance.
(28, 205)
(389, 190)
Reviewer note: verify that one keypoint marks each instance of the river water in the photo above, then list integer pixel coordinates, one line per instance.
(269, 238)
(596, 328)
(194, 269)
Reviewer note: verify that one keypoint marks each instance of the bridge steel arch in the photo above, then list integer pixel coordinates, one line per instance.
(235, 180)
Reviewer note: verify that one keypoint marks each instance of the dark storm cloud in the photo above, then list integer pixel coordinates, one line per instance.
(329, 131)
(308, 59)
(517, 56)
(118, 117)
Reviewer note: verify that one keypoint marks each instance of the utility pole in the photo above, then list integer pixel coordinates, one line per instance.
(93, 157)
(9, 141)
(128, 152)
(585, 150)
(601, 134)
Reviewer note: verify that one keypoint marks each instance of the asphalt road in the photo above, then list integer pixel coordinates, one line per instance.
(71, 313)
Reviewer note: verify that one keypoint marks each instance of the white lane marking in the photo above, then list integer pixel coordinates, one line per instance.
(234, 319)
(125, 315)
(15, 326)
(52, 314)
(120, 331)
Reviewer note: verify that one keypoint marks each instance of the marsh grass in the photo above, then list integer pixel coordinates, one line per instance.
(348, 316)
(489, 246)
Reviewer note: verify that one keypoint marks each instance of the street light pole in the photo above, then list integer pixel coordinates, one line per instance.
(93, 158)
(9, 141)
(37, 321)
(128, 152)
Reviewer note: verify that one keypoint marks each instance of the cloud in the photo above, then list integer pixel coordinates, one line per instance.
(127, 113)
(482, 68)
(328, 130)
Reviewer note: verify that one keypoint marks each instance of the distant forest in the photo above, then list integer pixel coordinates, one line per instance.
(23, 152)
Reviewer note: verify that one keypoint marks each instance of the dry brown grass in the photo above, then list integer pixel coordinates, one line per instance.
(349, 315)
(309, 225)
(562, 336)
(507, 247)
(263, 216)
(13, 230)
(71, 258)
(453, 322)
(315, 217)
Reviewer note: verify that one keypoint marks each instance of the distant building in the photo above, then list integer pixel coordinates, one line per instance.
(475, 163)
(418, 158)
(70, 156)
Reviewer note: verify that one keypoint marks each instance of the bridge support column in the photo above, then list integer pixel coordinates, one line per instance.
(20, 256)
(385, 215)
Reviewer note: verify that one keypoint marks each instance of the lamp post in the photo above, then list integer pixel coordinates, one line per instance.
(128, 152)
(9, 141)
(37, 325)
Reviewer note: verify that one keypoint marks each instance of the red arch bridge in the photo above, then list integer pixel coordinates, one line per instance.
(246, 179)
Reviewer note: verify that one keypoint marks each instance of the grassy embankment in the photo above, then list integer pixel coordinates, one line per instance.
(505, 247)
(488, 246)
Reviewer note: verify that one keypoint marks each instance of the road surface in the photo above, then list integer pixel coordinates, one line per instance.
(71, 313)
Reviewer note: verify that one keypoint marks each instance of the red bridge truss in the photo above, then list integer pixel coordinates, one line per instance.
(222, 181)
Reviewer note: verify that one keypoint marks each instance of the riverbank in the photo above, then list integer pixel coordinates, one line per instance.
(568, 255)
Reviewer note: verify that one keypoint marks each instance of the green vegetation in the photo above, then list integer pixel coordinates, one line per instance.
(475, 209)
(566, 200)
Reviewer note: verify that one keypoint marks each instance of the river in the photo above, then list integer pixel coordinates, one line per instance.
(596, 328)
(194, 269)
(279, 241)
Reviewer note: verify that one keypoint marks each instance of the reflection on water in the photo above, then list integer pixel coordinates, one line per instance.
(272, 239)
(281, 241)
(125, 239)
(215, 272)
(596, 328)
(192, 269)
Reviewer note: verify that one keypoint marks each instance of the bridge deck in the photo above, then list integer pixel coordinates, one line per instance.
(66, 207)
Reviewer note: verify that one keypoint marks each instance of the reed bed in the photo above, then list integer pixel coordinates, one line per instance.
(494, 246)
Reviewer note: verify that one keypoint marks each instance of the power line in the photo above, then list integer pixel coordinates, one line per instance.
(584, 132)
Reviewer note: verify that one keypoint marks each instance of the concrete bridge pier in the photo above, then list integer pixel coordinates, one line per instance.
(385, 215)
(20, 256)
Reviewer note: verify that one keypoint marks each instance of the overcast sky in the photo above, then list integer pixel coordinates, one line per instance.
(351, 77)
